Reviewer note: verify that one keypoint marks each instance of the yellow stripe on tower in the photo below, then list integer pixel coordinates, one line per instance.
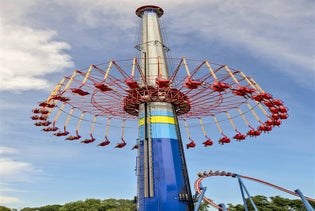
(159, 119)
(141, 121)
(162, 119)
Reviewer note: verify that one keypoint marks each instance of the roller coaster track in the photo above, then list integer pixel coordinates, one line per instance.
(210, 173)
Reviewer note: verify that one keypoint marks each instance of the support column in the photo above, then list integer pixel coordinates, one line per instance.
(163, 182)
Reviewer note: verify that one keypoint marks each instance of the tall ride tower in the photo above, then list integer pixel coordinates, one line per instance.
(163, 182)
(222, 99)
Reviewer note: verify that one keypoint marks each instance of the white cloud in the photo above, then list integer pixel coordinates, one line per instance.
(29, 54)
(20, 9)
(9, 200)
(12, 170)
(5, 188)
(280, 32)
(102, 13)
(7, 150)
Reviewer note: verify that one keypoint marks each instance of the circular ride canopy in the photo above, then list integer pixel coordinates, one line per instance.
(203, 94)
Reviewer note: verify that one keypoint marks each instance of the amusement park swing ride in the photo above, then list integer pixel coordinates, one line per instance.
(160, 96)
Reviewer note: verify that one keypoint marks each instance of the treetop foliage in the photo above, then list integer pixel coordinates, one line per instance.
(263, 203)
(275, 203)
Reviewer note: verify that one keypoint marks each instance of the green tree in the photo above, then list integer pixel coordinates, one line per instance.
(276, 203)
(203, 206)
(50, 208)
(3, 208)
(78, 206)
(237, 207)
(118, 205)
(30, 209)
(44, 208)
(99, 205)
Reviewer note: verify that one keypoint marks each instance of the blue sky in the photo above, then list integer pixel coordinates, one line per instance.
(42, 41)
